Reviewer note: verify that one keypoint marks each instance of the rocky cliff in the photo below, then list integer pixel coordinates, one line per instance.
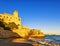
(10, 26)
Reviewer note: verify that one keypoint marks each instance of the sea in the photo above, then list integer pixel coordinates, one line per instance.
(54, 38)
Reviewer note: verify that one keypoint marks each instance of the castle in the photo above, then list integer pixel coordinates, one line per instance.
(9, 18)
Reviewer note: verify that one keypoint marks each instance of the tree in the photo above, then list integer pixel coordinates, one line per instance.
(3, 25)
(12, 25)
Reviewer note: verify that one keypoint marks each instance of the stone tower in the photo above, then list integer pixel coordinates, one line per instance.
(15, 13)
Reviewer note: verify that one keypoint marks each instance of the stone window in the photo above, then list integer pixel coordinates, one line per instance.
(4, 16)
(7, 16)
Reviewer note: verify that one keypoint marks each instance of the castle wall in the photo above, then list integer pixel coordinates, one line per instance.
(8, 18)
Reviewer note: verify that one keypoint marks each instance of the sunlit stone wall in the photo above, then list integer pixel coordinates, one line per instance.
(8, 18)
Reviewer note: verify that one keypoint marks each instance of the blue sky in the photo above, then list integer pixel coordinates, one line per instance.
(37, 14)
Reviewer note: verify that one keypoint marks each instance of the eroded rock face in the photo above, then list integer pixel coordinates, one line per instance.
(10, 26)
(7, 33)
(25, 32)
(22, 31)
(35, 33)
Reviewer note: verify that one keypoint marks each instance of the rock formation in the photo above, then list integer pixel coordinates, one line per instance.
(11, 26)
(22, 31)
(35, 33)
(7, 33)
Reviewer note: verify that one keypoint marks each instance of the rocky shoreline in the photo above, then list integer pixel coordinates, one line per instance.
(27, 42)
(13, 33)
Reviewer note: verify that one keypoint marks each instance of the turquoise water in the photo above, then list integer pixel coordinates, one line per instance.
(55, 39)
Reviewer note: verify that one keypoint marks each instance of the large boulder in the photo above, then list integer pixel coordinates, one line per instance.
(7, 33)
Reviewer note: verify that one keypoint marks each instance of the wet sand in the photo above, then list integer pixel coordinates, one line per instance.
(14, 44)
(9, 42)
(26, 42)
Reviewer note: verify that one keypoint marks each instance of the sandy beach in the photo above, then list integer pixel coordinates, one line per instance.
(26, 42)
